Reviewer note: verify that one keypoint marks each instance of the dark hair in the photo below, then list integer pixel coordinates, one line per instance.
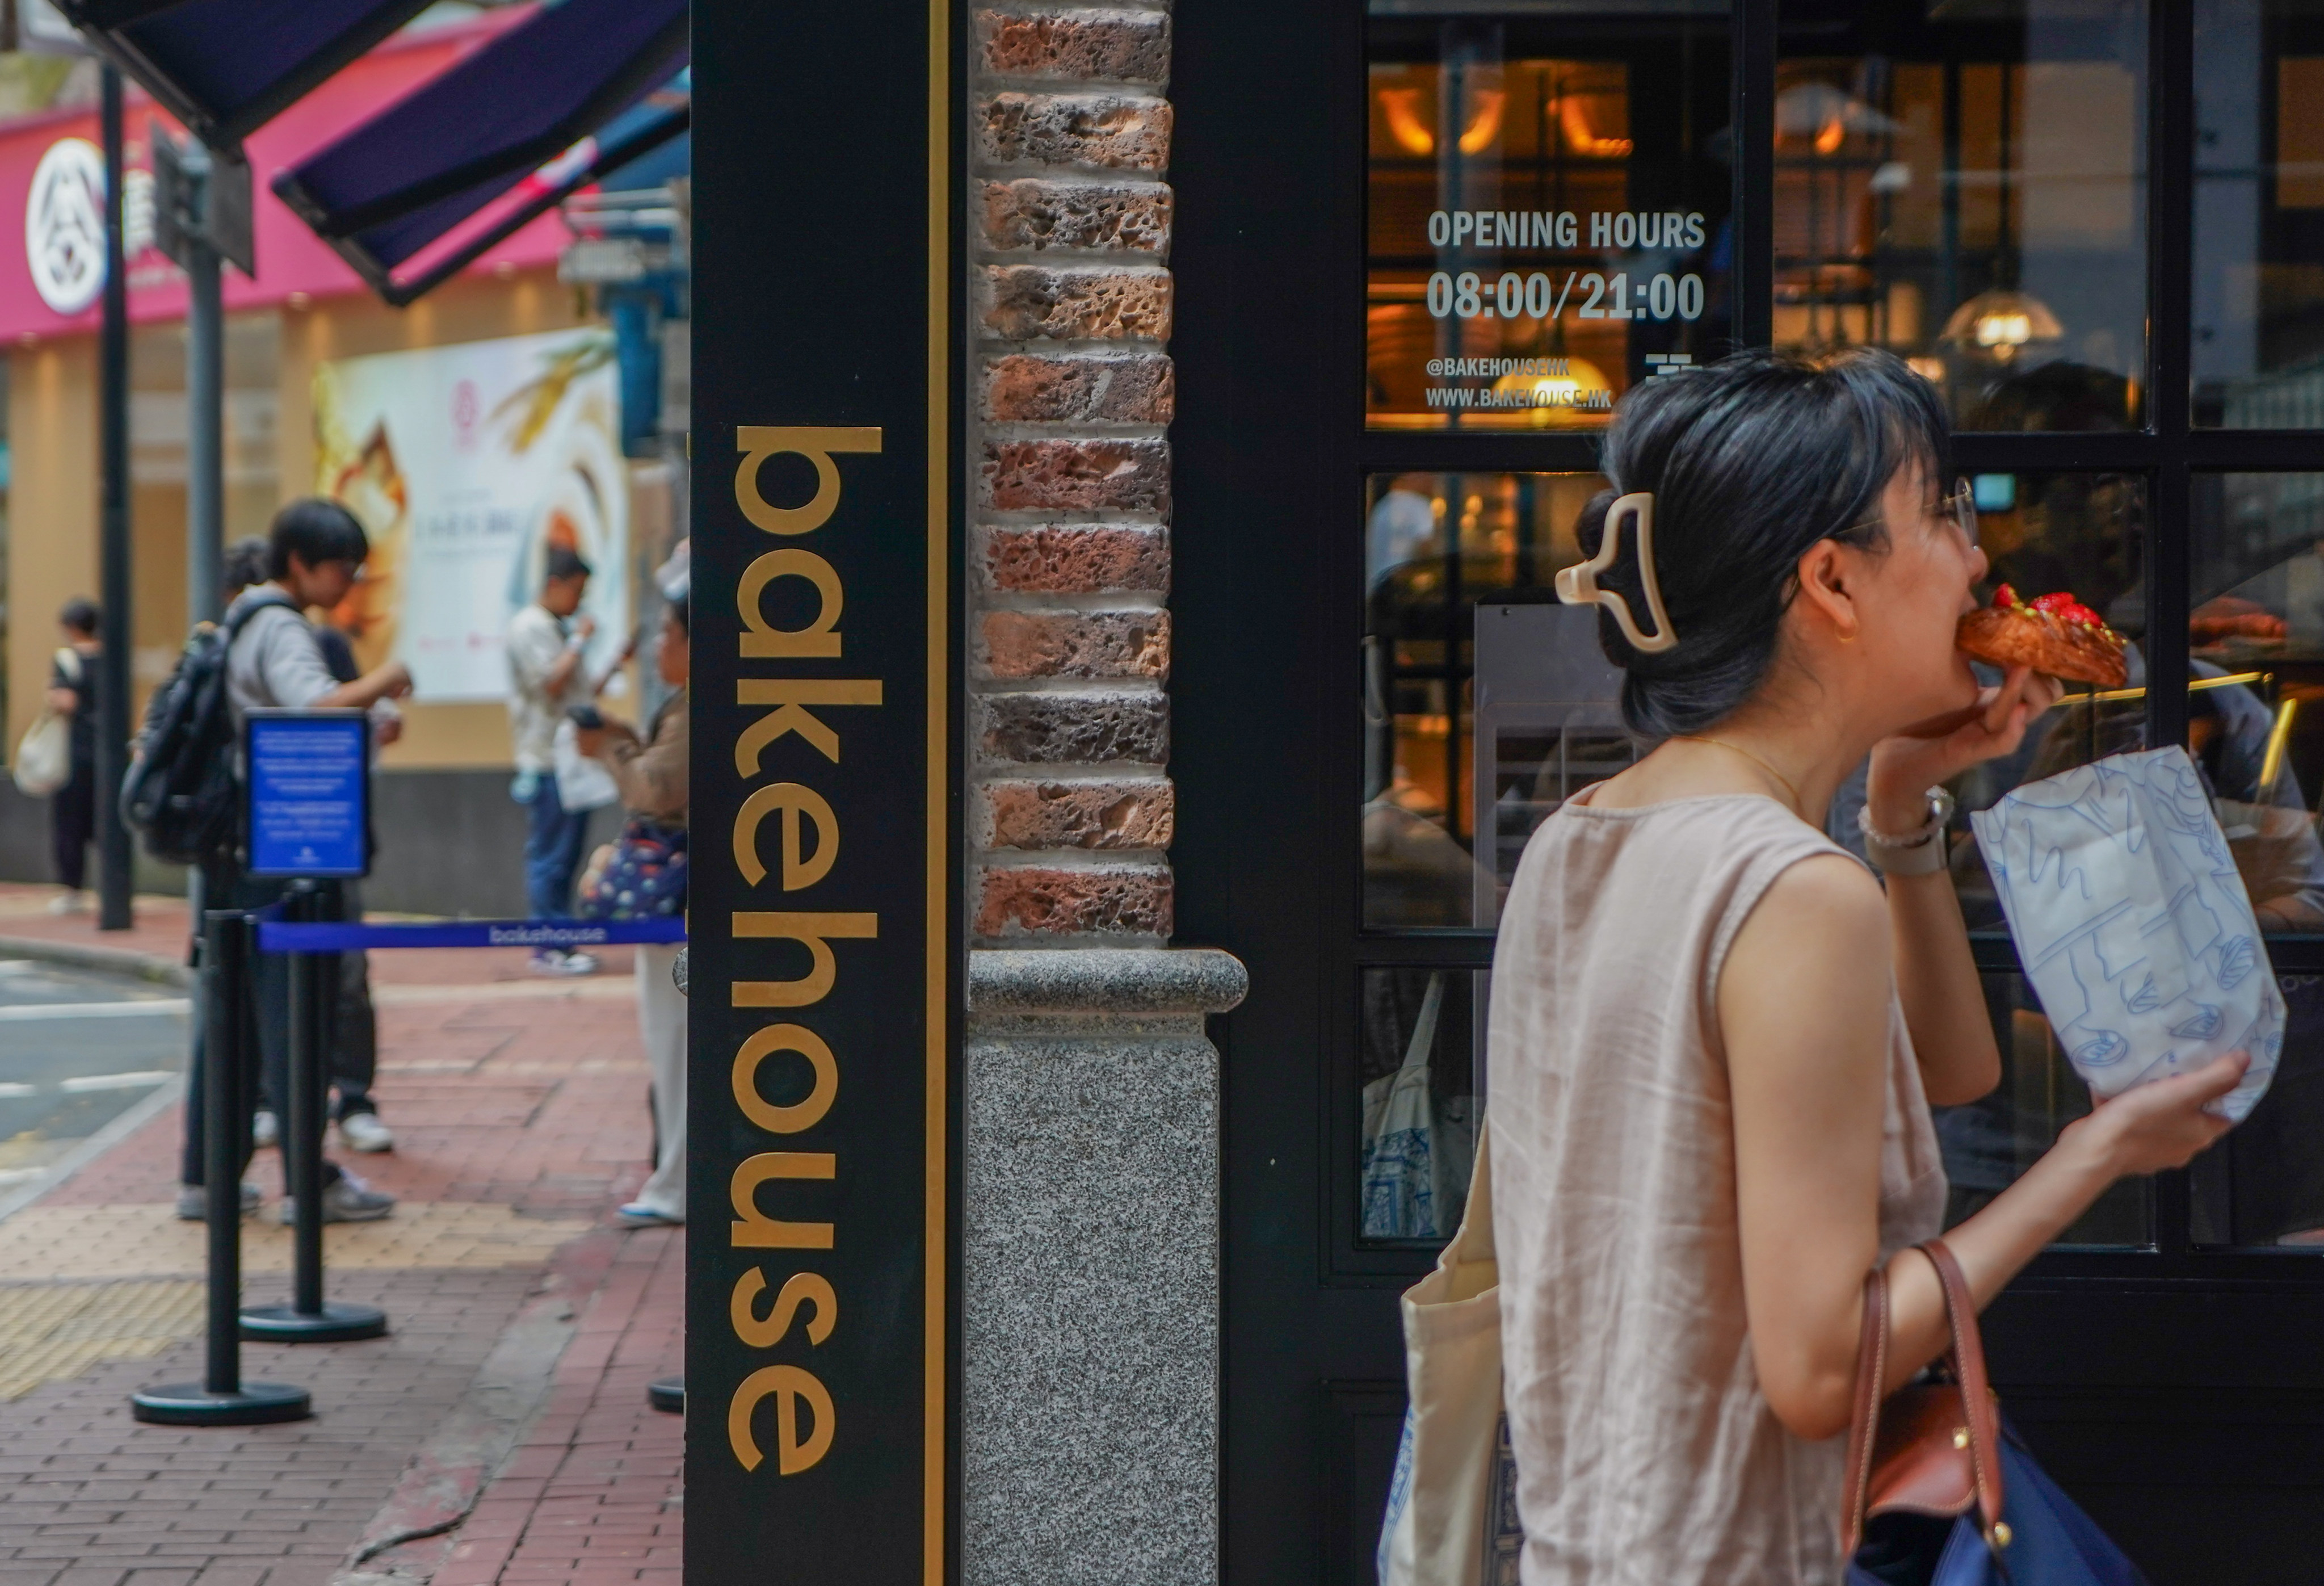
(245, 564)
(318, 530)
(681, 611)
(563, 564)
(80, 615)
(1751, 461)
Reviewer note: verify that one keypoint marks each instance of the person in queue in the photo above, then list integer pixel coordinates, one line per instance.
(315, 553)
(73, 690)
(651, 773)
(547, 673)
(1715, 1036)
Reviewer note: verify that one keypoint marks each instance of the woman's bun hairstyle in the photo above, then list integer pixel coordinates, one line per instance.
(1751, 461)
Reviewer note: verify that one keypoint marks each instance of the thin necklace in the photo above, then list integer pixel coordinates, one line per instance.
(1755, 759)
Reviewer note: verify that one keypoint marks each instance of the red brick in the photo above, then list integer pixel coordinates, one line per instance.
(1122, 475)
(1078, 558)
(1095, 131)
(1084, 727)
(1117, 46)
(1077, 644)
(1032, 214)
(1022, 302)
(1110, 814)
(1099, 900)
(1104, 388)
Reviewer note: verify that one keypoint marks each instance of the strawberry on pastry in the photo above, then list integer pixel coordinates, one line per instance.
(2054, 634)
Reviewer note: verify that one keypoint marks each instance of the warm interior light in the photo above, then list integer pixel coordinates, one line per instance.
(2002, 321)
(1401, 107)
(1932, 370)
(1573, 122)
(1487, 123)
(1553, 394)
(1831, 135)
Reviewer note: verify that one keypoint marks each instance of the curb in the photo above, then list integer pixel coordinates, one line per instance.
(144, 966)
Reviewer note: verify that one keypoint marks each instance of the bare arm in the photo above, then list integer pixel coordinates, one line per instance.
(1808, 1097)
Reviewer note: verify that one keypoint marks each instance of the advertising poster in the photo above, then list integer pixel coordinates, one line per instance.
(467, 465)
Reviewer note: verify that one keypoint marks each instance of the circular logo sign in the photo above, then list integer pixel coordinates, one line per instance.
(64, 226)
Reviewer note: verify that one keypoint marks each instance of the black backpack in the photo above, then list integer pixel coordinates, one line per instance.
(181, 791)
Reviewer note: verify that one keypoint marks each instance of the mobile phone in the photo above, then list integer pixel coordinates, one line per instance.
(585, 716)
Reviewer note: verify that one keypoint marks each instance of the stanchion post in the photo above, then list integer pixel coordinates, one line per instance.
(222, 1398)
(309, 1318)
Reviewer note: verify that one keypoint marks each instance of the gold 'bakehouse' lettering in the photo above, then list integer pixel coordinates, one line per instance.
(814, 929)
(763, 1045)
(819, 640)
(793, 693)
(786, 1386)
(753, 1230)
(800, 804)
(757, 442)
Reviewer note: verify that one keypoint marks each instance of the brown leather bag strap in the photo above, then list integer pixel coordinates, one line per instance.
(1981, 1414)
(1871, 1368)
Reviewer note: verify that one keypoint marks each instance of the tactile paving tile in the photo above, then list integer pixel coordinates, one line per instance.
(54, 1331)
(59, 1241)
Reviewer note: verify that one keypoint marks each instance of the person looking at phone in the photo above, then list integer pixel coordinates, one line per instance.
(1716, 1035)
(545, 643)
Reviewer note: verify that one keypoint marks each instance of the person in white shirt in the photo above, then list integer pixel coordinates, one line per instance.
(545, 644)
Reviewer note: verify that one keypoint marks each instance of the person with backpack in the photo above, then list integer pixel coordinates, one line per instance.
(264, 654)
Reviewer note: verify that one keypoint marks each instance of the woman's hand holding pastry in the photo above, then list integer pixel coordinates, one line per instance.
(1938, 750)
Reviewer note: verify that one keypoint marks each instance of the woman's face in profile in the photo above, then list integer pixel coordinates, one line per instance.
(1913, 598)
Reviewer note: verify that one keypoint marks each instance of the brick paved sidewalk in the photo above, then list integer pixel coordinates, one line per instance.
(519, 1109)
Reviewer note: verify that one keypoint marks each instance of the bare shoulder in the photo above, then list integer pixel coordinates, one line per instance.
(1826, 909)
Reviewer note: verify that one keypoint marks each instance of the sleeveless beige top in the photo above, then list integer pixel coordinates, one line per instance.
(1645, 1452)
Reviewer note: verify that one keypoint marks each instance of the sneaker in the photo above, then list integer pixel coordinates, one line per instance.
(638, 1214)
(69, 903)
(194, 1202)
(265, 1128)
(363, 1132)
(350, 1200)
(552, 961)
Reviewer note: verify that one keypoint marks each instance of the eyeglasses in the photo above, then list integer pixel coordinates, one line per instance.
(1962, 504)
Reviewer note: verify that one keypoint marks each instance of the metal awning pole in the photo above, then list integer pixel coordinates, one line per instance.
(112, 536)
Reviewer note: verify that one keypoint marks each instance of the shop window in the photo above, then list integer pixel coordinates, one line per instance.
(1459, 618)
(1417, 1047)
(1547, 220)
(1987, 1143)
(2258, 352)
(1965, 186)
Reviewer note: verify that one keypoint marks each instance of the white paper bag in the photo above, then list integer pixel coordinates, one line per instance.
(2133, 924)
(581, 782)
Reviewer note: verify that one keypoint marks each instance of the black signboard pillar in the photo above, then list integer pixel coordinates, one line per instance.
(821, 916)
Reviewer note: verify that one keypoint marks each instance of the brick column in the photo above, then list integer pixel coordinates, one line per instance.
(1090, 1090)
(1070, 811)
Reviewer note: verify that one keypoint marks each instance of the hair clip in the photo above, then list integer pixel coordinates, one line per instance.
(1578, 584)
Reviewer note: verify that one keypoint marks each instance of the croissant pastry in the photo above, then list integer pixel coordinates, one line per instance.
(2055, 634)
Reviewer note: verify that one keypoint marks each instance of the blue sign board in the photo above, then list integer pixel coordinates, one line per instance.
(308, 776)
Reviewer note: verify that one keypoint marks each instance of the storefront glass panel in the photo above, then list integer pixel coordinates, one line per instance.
(1987, 1143)
(1444, 553)
(1964, 185)
(1547, 217)
(1419, 1121)
(2258, 352)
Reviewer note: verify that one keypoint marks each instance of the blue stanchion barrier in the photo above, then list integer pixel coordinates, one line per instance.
(286, 936)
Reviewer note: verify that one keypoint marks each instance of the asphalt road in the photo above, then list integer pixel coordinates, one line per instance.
(78, 1048)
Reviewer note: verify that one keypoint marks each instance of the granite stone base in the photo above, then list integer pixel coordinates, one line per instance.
(1089, 1281)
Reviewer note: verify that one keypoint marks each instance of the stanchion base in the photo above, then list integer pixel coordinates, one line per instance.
(668, 1395)
(336, 1323)
(189, 1404)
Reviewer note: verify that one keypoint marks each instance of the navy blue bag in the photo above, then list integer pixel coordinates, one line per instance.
(1939, 1491)
(643, 877)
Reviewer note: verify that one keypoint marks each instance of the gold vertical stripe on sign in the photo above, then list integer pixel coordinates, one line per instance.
(937, 1014)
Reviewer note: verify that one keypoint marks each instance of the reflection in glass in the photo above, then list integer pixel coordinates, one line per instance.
(2255, 725)
(2259, 215)
(1420, 1112)
(1963, 185)
(1547, 216)
(1991, 1141)
(2263, 1185)
(1438, 547)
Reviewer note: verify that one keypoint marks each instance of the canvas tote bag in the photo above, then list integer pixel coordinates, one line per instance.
(44, 757)
(1452, 1516)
